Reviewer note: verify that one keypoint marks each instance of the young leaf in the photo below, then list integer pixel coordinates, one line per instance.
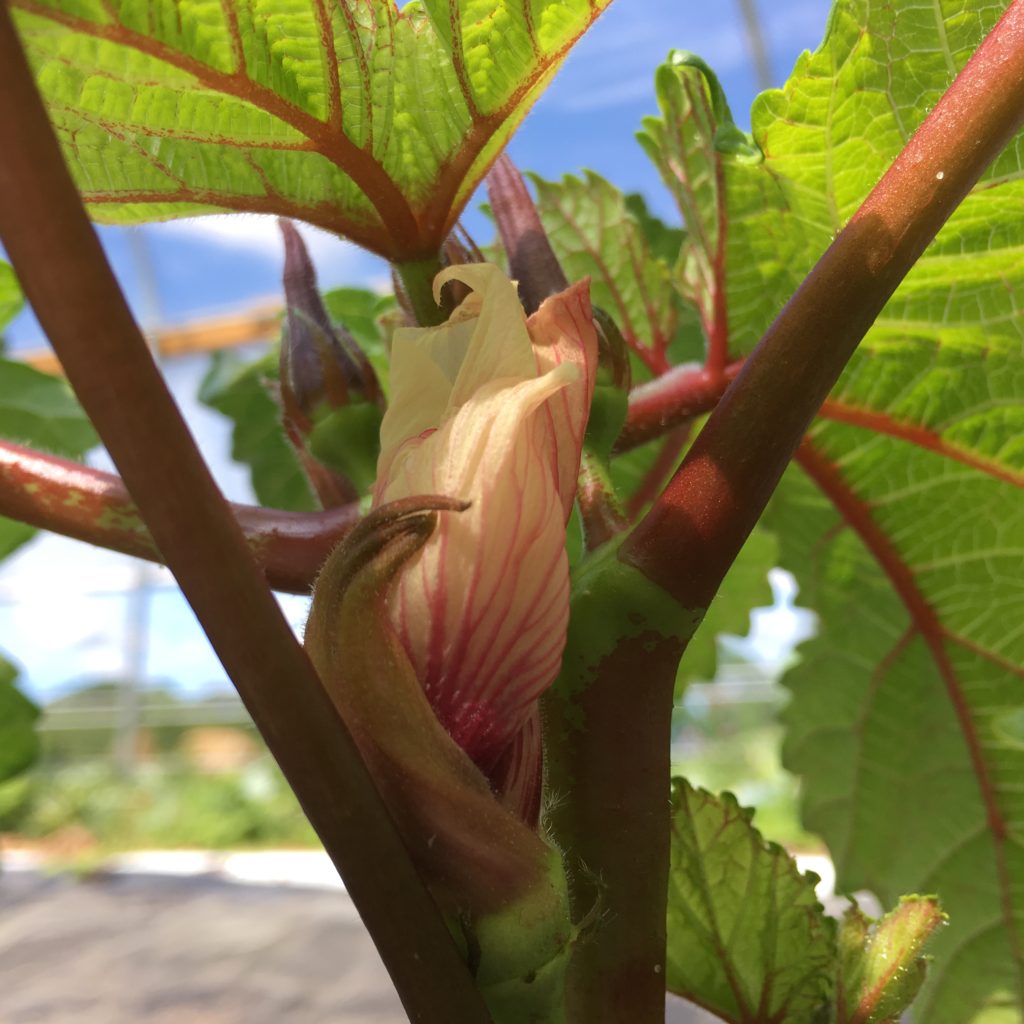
(594, 231)
(19, 745)
(241, 392)
(689, 145)
(367, 120)
(880, 964)
(747, 938)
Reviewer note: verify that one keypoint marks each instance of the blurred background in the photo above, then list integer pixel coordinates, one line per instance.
(145, 745)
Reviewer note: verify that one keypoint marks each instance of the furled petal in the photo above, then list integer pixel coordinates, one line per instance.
(483, 609)
(562, 331)
(484, 412)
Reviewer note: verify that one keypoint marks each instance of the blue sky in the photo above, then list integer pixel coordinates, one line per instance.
(62, 609)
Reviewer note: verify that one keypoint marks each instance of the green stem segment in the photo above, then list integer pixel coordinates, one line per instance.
(417, 279)
(67, 279)
(607, 724)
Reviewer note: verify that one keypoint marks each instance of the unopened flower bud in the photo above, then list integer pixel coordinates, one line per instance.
(321, 363)
(531, 259)
(332, 402)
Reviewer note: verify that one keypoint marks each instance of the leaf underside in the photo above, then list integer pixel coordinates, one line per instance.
(369, 121)
(747, 938)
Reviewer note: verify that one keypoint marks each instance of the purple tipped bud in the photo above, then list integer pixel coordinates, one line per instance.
(321, 363)
(531, 260)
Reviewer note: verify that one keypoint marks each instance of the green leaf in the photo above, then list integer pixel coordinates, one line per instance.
(912, 562)
(905, 525)
(39, 411)
(880, 964)
(11, 299)
(19, 745)
(367, 120)
(241, 391)
(747, 938)
(595, 230)
(689, 145)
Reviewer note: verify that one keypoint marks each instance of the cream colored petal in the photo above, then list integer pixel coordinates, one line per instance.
(435, 370)
(562, 332)
(500, 347)
(483, 609)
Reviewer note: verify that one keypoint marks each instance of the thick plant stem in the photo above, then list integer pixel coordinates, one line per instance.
(417, 281)
(607, 726)
(611, 758)
(67, 279)
(617, 973)
(692, 534)
(87, 504)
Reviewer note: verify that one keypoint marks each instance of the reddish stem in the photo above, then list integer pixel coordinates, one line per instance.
(55, 494)
(685, 392)
(654, 479)
(671, 400)
(66, 277)
(692, 534)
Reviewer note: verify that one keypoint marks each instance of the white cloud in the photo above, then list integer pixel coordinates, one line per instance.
(336, 259)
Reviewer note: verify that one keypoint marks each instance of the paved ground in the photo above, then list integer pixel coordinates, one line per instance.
(158, 949)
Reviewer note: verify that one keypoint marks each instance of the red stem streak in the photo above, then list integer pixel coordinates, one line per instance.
(685, 392)
(857, 514)
(692, 534)
(87, 504)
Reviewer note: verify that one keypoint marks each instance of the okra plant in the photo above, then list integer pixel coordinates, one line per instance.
(516, 486)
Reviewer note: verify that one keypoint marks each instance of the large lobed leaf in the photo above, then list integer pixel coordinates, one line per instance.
(367, 120)
(905, 522)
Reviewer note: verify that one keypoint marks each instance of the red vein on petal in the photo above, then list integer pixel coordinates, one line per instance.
(857, 514)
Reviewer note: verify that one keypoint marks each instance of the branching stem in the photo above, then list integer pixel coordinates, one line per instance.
(87, 504)
(694, 531)
(67, 279)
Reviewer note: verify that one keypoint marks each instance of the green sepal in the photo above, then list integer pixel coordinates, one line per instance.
(347, 439)
(881, 969)
(613, 601)
(523, 952)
